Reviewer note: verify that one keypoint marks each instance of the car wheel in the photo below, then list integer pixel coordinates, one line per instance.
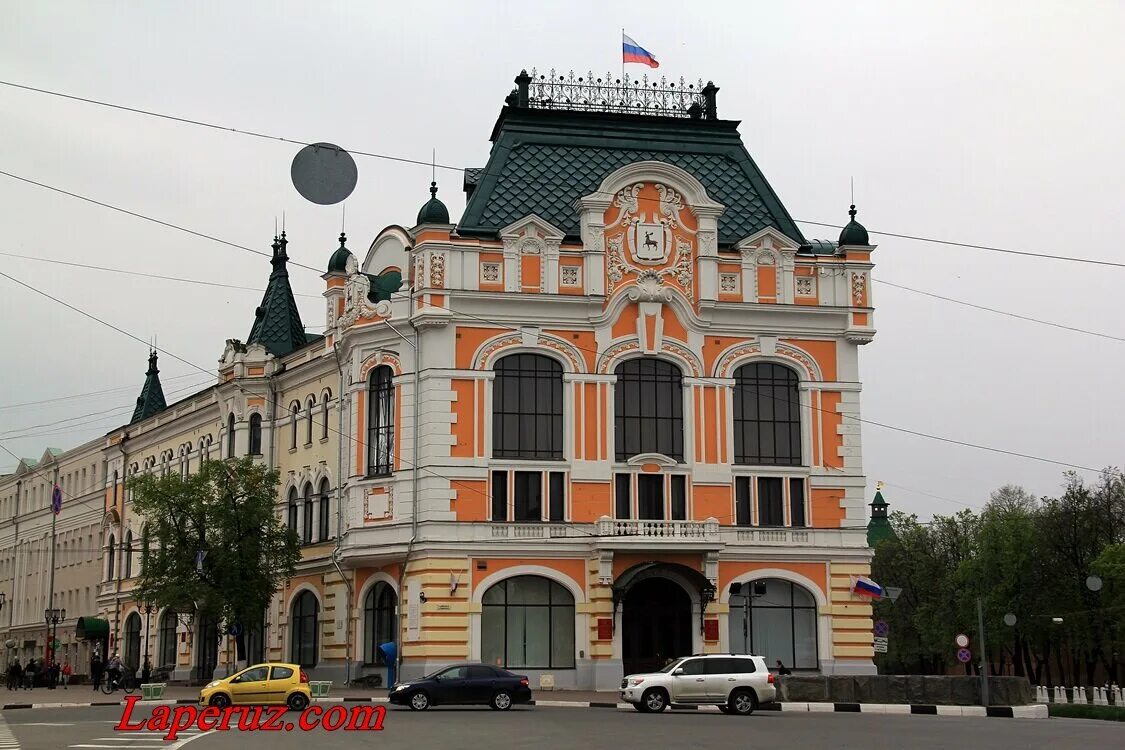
(743, 702)
(723, 708)
(501, 701)
(219, 700)
(297, 702)
(654, 700)
(419, 701)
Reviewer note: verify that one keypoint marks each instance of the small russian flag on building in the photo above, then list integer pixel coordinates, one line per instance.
(862, 586)
(631, 52)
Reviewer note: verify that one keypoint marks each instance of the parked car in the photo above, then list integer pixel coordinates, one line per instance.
(262, 684)
(735, 683)
(464, 684)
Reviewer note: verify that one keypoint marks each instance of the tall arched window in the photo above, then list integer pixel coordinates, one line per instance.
(324, 414)
(309, 406)
(111, 559)
(128, 553)
(302, 629)
(776, 619)
(527, 408)
(380, 420)
(131, 654)
(528, 621)
(187, 460)
(648, 409)
(294, 411)
(230, 436)
(166, 656)
(767, 415)
(378, 621)
(291, 517)
(322, 512)
(306, 535)
(255, 434)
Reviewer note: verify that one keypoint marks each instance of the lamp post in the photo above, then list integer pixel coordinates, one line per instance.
(52, 616)
(146, 669)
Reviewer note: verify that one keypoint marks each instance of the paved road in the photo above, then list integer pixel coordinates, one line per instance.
(549, 728)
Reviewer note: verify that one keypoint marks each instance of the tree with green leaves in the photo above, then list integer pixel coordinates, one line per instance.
(213, 543)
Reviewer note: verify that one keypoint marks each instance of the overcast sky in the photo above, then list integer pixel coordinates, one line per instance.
(988, 123)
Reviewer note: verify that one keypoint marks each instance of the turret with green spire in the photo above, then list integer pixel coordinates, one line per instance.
(151, 399)
(879, 527)
(277, 322)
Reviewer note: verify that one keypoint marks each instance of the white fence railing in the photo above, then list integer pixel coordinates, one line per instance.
(1108, 695)
(708, 529)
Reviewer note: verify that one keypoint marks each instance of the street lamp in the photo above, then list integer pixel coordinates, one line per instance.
(148, 608)
(53, 616)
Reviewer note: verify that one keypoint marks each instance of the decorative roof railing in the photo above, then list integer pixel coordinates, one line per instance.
(627, 95)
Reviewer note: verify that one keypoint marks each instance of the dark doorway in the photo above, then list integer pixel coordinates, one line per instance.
(206, 648)
(655, 625)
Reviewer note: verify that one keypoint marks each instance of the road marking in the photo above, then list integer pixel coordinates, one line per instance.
(8, 740)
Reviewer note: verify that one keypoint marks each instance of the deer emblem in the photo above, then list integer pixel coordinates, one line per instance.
(649, 241)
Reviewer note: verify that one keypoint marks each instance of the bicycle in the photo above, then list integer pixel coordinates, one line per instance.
(128, 683)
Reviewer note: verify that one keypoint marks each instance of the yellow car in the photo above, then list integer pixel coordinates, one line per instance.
(262, 684)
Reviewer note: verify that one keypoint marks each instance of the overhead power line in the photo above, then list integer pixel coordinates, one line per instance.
(432, 165)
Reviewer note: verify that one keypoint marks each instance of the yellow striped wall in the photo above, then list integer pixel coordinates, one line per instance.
(851, 615)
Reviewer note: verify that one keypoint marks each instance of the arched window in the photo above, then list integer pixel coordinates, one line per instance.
(378, 621)
(324, 414)
(528, 621)
(310, 404)
(527, 408)
(187, 460)
(292, 511)
(302, 629)
(323, 510)
(166, 656)
(230, 436)
(128, 553)
(380, 420)
(255, 434)
(131, 653)
(307, 530)
(776, 619)
(111, 558)
(648, 409)
(767, 415)
(294, 410)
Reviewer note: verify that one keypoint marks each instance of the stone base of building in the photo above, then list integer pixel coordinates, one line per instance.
(848, 667)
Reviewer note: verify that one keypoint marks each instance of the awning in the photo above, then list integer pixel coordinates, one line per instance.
(91, 628)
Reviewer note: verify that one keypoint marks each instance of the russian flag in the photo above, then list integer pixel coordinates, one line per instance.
(862, 586)
(631, 52)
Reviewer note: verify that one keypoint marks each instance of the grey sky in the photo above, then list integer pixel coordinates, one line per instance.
(989, 123)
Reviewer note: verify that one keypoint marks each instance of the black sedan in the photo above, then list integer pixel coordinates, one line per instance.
(464, 684)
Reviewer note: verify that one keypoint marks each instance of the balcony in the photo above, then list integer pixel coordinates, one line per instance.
(623, 534)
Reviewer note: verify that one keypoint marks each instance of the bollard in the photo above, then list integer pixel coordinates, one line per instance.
(1060, 695)
(1080, 694)
(1119, 696)
(1040, 694)
(1100, 697)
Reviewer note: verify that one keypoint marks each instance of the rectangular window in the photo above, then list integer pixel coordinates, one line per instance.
(622, 497)
(650, 496)
(499, 496)
(529, 496)
(557, 507)
(797, 502)
(679, 497)
(770, 510)
(742, 501)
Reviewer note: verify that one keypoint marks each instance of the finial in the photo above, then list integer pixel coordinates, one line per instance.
(433, 190)
(343, 239)
(851, 212)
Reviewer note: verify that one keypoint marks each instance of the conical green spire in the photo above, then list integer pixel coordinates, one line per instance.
(879, 527)
(151, 399)
(277, 322)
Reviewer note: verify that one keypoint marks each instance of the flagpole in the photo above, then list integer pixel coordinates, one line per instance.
(51, 589)
(622, 58)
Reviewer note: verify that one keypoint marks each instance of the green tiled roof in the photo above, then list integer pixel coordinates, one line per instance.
(151, 400)
(382, 287)
(277, 322)
(542, 160)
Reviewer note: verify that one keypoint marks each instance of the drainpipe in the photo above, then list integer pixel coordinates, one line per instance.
(417, 345)
(15, 573)
(349, 585)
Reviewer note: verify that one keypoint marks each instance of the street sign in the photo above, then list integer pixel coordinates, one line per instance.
(964, 655)
(55, 644)
(961, 640)
(235, 629)
(880, 644)
(882, 628)
(892, 592)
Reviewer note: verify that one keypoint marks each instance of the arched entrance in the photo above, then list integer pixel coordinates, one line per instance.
(131, 653)
(656, 624)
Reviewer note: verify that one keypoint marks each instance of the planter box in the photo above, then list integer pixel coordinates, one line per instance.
(153, 691)
(320, 689)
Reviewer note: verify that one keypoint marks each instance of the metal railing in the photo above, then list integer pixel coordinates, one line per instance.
(624, 95)
(708, 529)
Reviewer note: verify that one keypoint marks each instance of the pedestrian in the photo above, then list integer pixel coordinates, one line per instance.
(29, 674)
(15, 675)
(113, 670)
(782, 669)
(96, 670)
(53, 675)
(66, 671)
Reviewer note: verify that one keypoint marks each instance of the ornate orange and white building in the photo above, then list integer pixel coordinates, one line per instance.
(597, 422)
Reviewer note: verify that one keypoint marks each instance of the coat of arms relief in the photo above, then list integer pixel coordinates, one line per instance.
(652, 236)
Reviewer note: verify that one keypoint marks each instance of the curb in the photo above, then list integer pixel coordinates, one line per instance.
(1035, 711)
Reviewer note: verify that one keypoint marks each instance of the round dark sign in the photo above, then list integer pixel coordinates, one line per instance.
(324, 173)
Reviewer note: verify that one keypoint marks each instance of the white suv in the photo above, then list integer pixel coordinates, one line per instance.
(736, 683)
